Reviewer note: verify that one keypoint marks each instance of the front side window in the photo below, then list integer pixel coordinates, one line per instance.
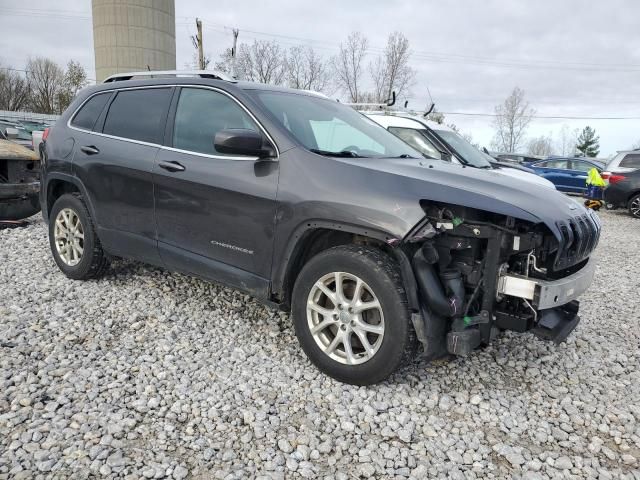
(418, 140)
(202, 113)
(138, 114)
(632, 160)
(89, 112)
(328, 128)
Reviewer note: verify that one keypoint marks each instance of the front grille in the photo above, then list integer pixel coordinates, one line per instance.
(580, 237)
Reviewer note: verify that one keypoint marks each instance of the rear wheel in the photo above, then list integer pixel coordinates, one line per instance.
(74, 244)
(350, 314)
(634, 206)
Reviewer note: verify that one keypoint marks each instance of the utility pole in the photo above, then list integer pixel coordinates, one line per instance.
(234, 73)
(199, 44)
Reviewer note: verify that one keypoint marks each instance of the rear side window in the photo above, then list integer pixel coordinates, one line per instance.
(90, 111)
(582, 166)
(631, 161)
(202, 113)
(563, 164)
(138, 114)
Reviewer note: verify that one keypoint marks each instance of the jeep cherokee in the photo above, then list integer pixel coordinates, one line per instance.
(308, 205)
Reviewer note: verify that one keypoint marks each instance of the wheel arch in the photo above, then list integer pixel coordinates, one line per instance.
(313, 237)
(57, 185)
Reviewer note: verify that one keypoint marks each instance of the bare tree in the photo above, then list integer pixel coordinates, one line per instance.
(391, 71)
(542, 146)
(348, 65)
(14, 90)
(75, 78)
(262, 62)
(511, 122)
(567, 140)
(306, 70)
(46, 79)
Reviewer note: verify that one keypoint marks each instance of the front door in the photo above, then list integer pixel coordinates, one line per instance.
(215, 213)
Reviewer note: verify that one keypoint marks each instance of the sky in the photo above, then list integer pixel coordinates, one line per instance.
(572, 58)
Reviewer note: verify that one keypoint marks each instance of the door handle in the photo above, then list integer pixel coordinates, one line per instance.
(89, 149)
(172, 166)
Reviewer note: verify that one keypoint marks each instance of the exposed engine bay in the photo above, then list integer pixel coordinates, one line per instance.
(478, 273)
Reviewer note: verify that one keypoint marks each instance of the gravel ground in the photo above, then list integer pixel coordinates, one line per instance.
(148, 374)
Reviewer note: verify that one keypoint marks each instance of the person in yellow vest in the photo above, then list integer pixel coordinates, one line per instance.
(595, 189)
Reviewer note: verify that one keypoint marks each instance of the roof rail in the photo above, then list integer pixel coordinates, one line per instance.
(170, 73)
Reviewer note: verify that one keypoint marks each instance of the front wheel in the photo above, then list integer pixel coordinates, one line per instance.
(350, 314)
(634, 206)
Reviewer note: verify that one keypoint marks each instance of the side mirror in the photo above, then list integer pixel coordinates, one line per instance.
(446, 156)
(242, 141)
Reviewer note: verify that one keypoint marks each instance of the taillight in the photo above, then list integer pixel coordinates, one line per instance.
(45, 134)
(613, 178)
(605, 175)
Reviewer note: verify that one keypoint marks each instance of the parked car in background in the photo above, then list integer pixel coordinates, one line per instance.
(20, 136)
(516, 158)
(624, 192)
(623, 162)
(567, 174)
(19, 181)
(312, 207)
(438, 141)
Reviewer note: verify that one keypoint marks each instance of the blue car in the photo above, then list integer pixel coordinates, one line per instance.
(567, 174)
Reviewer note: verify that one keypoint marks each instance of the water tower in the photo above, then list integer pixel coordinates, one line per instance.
(133, 35)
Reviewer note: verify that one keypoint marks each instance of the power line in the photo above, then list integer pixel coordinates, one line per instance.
(426, 56)
(551, 117)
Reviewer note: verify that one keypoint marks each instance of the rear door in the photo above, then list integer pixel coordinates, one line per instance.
(579, 173)
(114, 163)
(215, 212)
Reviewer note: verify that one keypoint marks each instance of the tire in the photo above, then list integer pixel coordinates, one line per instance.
(634, 206)
(91, 261)
(378, 278)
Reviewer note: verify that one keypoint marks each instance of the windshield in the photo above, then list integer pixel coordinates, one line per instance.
(470, 154)
(329, 128)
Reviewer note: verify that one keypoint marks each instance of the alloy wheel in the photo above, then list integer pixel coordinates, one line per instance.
(345, 318)
(68, 234)
(634, 207)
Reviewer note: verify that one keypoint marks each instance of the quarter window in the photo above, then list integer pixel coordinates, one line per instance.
(202, 113)
(138, 114)
(631, 161)
(90, 111)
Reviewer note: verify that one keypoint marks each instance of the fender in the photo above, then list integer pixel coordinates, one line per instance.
(297, 241)
(50, 177)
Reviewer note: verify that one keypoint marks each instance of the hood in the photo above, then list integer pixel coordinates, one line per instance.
(524, 175)
(484, 189)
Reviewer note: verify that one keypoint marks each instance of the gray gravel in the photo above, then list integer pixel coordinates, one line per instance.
(148, 374)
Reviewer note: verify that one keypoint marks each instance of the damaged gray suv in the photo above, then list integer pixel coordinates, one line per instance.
(379, 253)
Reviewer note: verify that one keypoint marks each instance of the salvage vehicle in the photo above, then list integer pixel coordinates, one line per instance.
(308, 205)
(439, 141)
(19, 181)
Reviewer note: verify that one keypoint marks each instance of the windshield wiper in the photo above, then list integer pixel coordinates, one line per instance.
(343, 153)
(405, 155)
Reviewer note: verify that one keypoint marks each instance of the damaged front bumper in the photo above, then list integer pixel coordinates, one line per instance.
(545, 294)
